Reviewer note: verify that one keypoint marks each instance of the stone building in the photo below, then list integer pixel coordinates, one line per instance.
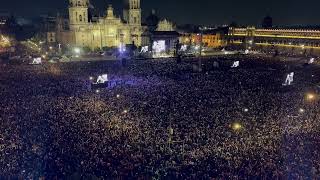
(107, 31)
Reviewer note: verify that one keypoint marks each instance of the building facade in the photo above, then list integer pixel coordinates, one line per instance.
(208, 38)
(292, 38)
(107, 31)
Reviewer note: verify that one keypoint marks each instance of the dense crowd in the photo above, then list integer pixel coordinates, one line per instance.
(171, 121)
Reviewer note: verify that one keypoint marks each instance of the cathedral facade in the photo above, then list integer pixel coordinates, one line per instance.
(107, 31)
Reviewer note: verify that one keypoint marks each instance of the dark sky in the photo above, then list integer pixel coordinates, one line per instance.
(284, 12)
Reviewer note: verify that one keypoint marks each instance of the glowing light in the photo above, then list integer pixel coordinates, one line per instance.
(301, 110)
(97, 91)
(118, 95)
(125, 111)
(236, 126)
(50, 47)
(310, 96)
(77, 50)
(122, 48)
(246, 110)
(91, 78)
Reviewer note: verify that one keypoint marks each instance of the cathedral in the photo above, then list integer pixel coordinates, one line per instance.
(107, 31)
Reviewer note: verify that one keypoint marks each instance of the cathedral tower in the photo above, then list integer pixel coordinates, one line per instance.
(78, 13)
(134, 20)
(134, 12)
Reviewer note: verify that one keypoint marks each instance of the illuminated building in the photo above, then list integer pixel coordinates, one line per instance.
(209, 38)
(165, 25)
(107, 31)
(252, 37)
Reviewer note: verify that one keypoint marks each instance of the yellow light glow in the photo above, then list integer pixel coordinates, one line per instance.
(236, 126)
(310, 96)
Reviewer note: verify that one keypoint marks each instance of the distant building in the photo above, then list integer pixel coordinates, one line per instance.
(303, 39)
(48, 25)
(211, 38)
(107, 31)
(165, 25)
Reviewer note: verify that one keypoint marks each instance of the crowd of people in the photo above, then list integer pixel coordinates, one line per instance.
(174, 121)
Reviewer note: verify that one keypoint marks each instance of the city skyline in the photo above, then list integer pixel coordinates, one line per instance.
(205, 12)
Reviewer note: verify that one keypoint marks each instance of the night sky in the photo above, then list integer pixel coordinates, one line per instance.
(210, 12)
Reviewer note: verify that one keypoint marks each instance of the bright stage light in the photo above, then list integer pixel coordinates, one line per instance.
(246, 110)
(118, 95)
